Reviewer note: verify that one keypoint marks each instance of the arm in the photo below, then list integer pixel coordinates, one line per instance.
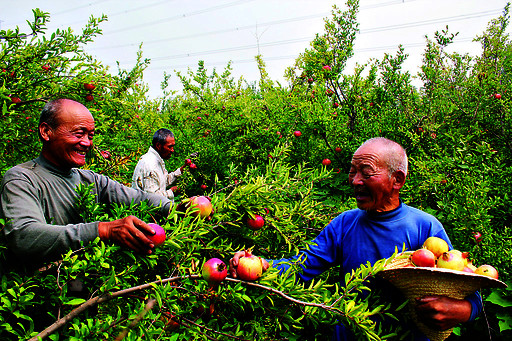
(320, 256)
(173, 176)
(441, 312)
(149, 182)
(28, 234)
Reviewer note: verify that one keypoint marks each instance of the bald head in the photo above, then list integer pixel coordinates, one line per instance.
(52, 110)
(392, 154)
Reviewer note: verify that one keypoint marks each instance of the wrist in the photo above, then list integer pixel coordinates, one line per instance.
(103, 231)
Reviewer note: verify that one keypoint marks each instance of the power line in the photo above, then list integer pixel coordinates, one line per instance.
(365, 31)
(298, 40)
(79, 7)
(385, 4)
(433, 21)
(252, 60)
(179, 16)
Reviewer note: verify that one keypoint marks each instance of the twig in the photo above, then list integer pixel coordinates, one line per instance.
(148, 307)
(100, 299)
(109, 296)
(282, 294)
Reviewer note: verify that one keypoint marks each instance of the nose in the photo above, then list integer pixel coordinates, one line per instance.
(86, 141)
(356, 179)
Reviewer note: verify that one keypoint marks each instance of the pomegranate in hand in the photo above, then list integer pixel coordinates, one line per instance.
(249, 267)
(159, 237)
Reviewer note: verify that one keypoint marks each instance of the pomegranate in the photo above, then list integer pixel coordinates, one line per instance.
(423, 257)
(487, 270)
(478, 237)
(468, 269)
(89, 86)
(202, 205)
(451, 260)
(214, 271)
(470, 265)
(464, 255)
(249, 267)
(256, 223)
(297, 133)
(437, 245)
(159, 237)
(326, 162)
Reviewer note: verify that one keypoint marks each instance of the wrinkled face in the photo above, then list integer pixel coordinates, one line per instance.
(370, 180)
(67, 144)
(165, 150)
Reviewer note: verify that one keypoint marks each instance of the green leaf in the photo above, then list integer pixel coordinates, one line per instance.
(76, 301)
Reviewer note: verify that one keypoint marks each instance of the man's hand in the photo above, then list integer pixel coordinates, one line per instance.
(441, 312)
(233, 263)
(130, 231)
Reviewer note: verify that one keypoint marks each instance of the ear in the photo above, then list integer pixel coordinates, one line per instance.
(45, 131)
(399, 176)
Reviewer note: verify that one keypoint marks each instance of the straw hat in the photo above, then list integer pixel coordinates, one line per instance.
(415, 282)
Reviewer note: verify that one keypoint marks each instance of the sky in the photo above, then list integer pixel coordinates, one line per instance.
(176, 34)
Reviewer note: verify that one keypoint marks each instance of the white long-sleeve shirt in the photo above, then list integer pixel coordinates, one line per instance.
(150, 175)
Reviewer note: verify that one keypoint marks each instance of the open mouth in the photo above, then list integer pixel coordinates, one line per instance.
(361, 195)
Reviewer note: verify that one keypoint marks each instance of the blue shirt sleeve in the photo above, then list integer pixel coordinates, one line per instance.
(322, 254)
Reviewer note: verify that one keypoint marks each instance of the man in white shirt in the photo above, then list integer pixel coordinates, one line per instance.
(150, 174)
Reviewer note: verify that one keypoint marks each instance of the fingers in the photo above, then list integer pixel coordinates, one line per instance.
(426, 299)
(233, 263)
(132, 232)
(265, 265)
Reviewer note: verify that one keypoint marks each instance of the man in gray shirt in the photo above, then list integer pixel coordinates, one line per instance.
(37, 198)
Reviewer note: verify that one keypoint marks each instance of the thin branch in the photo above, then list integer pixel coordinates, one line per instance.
(147, 308)
(100, 299)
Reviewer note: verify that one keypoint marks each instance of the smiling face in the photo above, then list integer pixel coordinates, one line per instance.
(375, 189)
(66, 144)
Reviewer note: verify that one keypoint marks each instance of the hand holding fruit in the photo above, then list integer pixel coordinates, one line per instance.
(441, 312)
(129, 231)
(246, 266)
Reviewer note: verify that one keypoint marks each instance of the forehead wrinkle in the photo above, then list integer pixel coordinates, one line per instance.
(366, 159)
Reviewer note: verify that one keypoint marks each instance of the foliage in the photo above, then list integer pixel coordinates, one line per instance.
(456, 129)
(114, 278)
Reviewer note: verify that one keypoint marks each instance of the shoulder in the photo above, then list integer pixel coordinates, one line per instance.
(346, 218)
(23, 171)
(419, 214)
(147, 160)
